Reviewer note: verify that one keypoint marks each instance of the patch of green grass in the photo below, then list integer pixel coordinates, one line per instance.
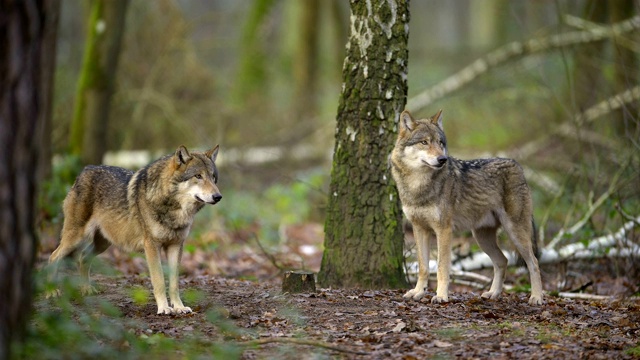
(634, 351)
(548, 333)
(450, 333)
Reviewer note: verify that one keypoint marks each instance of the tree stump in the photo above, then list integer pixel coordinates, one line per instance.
(298, 282)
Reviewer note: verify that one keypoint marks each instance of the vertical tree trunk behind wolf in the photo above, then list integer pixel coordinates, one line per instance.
(363, 230)
(22, 101)
(97, 80)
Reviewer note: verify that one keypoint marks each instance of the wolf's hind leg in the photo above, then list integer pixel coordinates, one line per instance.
(72, 236)
(422, 245)
(488, 241)
(86, 256)
(521, 234)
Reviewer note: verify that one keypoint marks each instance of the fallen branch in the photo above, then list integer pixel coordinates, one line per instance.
(295, 341)
(596, 247)
(517, 50)
(583, 296)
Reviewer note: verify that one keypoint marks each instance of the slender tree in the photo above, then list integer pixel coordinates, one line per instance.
(306, 60)
(22, 30)
(626, 74)
(363, 232)
(97, 79)
(587, 71)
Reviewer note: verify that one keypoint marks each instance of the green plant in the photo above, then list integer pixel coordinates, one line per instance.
(75, 326)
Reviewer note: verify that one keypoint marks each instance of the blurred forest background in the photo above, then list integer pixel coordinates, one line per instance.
(558, 91)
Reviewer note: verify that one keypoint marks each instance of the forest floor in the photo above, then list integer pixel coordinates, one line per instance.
(243, 292)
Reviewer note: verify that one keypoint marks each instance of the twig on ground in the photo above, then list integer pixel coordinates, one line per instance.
(269, 256)
(295, 341)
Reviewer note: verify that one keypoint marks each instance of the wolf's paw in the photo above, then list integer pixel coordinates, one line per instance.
(165, 310)
(181, 310)
(54, 293)
(87, 290)
(493, 295)
(439, 299)
(535, 300)
(415, 294)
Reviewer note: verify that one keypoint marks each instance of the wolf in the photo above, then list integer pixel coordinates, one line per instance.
(440, 194)
(147, 210)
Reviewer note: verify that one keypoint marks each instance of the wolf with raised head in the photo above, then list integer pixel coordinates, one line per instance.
(147, 210)
(440, 194)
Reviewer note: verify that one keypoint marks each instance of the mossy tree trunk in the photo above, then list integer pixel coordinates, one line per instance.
(97, 79)
(363, 232)
(22, 33)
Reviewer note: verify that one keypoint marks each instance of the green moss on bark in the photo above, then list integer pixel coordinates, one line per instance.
(363, 232)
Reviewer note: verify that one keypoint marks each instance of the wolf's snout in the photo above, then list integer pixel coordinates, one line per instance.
(216, 198)
(442, 159)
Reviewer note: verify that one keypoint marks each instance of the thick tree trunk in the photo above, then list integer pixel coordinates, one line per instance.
(363, 235)
(22, 25)
(97, 79)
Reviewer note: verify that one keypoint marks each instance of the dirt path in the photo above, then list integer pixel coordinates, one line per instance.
(382, 324)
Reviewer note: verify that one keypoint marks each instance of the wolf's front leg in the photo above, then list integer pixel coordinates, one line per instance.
(152, 252)
(422, 245)
(444, 265)
(174, 254)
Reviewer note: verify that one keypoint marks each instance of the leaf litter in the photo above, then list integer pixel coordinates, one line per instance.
(243, 289)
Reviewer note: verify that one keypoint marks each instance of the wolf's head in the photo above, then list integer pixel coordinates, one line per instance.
(197, 175)
(421, 143)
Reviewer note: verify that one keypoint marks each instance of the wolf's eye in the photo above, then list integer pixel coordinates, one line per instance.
(424, 142)
(198, 176)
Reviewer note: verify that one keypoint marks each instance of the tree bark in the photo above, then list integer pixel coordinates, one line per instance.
(97, 79)
(22, 26)
(363, 233)
(48, 70)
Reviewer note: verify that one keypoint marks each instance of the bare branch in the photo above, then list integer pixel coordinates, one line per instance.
(592, 208)
(604, 107)
(513, 51)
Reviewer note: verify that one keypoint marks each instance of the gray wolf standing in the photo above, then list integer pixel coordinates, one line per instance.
(151, 209)
(440, 194)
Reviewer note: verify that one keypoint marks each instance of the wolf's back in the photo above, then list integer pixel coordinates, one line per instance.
(103, 187)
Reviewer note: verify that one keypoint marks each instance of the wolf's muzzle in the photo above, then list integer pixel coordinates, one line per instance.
(214, 199)
(442, 160)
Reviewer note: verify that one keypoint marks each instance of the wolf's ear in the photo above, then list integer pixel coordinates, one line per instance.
(407, 123)
(437, 119)
(182, 156)
(213, 153)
